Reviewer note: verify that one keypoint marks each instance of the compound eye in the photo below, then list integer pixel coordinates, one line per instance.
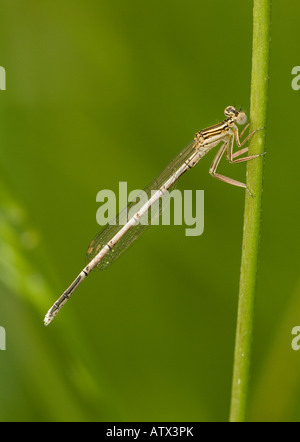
(230, 111)
(241, 118)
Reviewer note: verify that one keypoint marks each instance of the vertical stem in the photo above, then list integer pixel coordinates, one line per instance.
(258, 108)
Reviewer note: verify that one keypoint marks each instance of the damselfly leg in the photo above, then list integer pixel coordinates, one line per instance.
(227, 147)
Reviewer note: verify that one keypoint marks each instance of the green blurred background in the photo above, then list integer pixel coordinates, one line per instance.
(101, 92)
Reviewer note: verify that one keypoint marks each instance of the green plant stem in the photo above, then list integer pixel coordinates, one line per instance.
(258, 108)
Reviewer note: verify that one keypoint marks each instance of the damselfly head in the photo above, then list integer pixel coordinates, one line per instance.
(239, 116)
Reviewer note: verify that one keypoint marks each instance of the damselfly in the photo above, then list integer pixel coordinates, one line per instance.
(115, 238)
